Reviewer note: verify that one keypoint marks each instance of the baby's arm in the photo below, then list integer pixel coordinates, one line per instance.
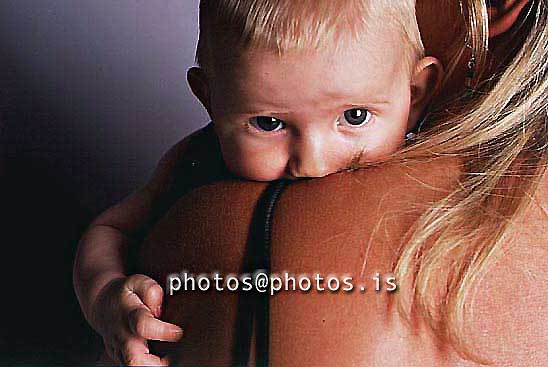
(120, 308)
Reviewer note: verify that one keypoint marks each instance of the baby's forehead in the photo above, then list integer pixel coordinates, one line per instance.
(376, 48)
(301, 78)
(369, 59)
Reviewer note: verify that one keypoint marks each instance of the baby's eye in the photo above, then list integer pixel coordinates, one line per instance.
(357, 117)
(265, 123)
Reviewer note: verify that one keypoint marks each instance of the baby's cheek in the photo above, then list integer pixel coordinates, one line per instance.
(384, 144)
(256, 164)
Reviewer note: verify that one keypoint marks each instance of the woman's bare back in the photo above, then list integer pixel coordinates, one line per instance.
(345, 224)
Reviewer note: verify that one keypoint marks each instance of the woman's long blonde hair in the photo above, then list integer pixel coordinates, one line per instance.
(501, 135)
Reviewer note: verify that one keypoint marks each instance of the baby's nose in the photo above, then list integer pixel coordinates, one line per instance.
(310, 157)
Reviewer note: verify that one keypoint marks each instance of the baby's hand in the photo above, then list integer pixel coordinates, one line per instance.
(125, 314)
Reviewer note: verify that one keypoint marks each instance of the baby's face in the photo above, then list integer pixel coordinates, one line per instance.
(310, 114)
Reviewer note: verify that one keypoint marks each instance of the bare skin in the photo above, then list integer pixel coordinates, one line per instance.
(138, 298)
(310, 235)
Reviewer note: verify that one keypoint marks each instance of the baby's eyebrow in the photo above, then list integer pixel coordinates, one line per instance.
(365, 104)
(264, 112)
(356, 99)
(341, 107)
(275, 110)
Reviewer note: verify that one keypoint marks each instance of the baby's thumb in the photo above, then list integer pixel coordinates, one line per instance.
(150, 293)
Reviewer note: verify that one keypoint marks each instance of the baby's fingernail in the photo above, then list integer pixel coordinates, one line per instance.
(158, 311)
(177, 332)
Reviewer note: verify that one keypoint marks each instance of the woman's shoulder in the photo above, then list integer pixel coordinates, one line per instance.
(509, 314)
(509, 309)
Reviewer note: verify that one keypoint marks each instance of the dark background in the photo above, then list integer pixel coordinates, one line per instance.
(92, 92)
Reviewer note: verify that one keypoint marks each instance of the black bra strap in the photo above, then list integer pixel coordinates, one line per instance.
(263, 306)
(257, 257)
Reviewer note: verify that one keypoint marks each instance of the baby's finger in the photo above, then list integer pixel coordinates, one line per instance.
(150, 292)
(143, 324)
(136, 353)
(152, 297)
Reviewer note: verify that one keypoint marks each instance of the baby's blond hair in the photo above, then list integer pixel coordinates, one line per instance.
(233, 26)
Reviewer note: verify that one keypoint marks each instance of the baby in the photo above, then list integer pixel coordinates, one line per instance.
(294, 89)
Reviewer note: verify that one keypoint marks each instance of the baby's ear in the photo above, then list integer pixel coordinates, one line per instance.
(425, 83)
(503, 14)
(198, 82)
